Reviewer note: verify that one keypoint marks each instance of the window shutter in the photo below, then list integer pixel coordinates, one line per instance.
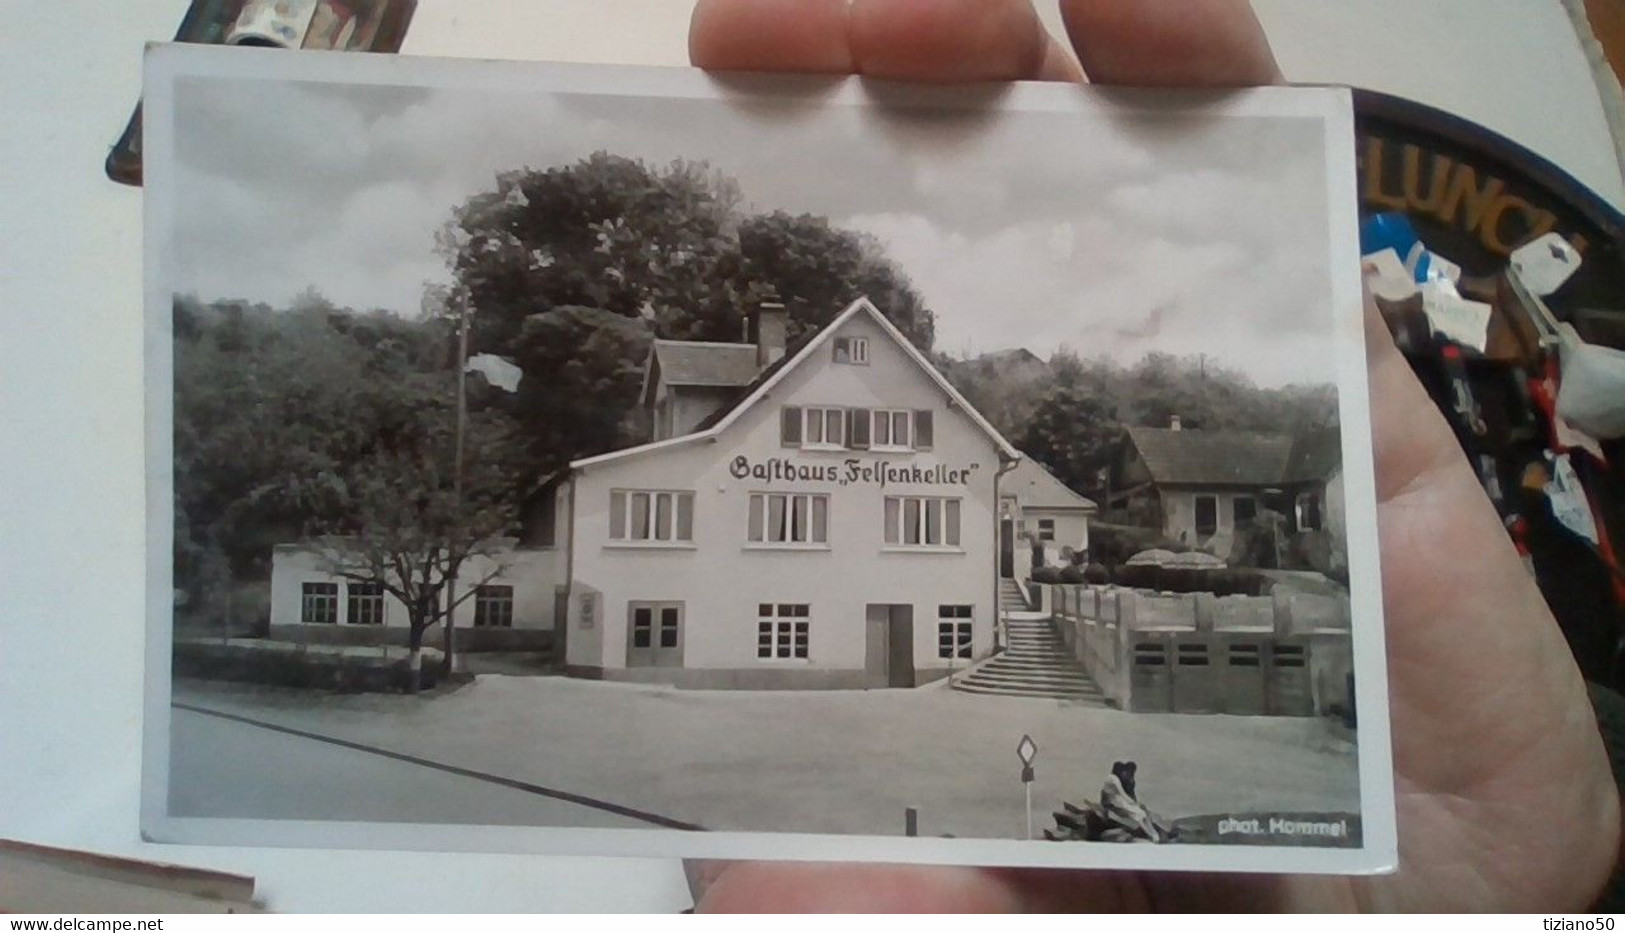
(857, 428)
(923, 435)
(790, 426)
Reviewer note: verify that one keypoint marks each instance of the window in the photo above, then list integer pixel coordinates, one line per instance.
(781, 631)
(1243, 654)
(1046, 529)
(855, 428)
(1150, 654)
(789, 518)
(1243, 509)
(953, 631)
(854, 350)
(319, 604)
(655, 626)
(651, 516)
(1207, 515)
(366, 604)
(493, 607)
(891, 430)
(1309, 511)
(813, 427)
(915, 521)
(823, 427)
(1288, 656)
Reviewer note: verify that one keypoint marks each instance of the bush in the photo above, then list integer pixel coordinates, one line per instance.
(1097, 574)
(1071, 573)
(1221, 581)
(1114, 544)
(1047, 575)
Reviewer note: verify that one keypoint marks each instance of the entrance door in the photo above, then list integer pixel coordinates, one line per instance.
(1007, 548)
(654, 635)
(889, 648)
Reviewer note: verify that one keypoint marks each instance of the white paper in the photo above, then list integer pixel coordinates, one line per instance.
(1569, 505)
(1592, 395)
(1545, 263)
(1386, 275)
(1455, 318)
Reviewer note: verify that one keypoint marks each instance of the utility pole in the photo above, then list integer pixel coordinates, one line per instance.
(457, 475)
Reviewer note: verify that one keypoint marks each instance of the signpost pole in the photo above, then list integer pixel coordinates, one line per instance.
(1029, 786)
(1027, 751)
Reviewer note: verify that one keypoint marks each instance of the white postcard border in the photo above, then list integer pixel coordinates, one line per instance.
(167, 63)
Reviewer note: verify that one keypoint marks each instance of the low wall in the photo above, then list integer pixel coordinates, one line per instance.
(284, 664)
(1287, 654)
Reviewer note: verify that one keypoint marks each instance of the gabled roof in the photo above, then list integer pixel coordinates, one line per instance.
(1212, 458)
(793, 357)
(698, 363)
(1035, 487)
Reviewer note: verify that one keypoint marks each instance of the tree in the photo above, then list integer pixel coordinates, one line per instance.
(321, 422)
(406, 528)
(817, 270)
(1073, 433)
(572, 270)
(583, 368)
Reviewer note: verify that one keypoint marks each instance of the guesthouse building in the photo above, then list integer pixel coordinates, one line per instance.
(829, 522)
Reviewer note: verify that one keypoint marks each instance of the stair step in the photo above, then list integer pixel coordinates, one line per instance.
(1089, 699)
(1067, 679)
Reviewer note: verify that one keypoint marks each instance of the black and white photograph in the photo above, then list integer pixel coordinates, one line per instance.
(586, 459)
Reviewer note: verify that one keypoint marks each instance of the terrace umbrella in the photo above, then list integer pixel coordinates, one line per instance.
(1195, 560)
(1155, 557)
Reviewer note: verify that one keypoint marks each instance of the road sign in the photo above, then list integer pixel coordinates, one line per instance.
(1027, 751)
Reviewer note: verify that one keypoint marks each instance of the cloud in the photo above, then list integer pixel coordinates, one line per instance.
(1105, 233)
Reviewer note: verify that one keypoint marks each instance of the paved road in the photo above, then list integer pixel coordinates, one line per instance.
(227, 768)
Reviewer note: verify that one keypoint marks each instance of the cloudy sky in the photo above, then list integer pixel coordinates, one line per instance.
(1041, 230)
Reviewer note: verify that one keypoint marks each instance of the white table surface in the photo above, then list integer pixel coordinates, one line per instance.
(71, 474)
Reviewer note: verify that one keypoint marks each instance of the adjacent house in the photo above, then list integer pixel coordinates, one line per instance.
(1040, 520)
(1200, 486)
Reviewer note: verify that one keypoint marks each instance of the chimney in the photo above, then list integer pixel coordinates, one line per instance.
(1173, 423)
(767, 326)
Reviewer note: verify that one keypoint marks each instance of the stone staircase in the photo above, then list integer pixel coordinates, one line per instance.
(1011, 599)
(1036, 663)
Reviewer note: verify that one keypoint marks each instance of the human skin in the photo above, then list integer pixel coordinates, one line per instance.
(1505, 797)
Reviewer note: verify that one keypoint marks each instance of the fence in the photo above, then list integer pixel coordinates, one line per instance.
(1287, 654)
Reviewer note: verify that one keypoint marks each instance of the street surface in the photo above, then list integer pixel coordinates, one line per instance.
(785, 761)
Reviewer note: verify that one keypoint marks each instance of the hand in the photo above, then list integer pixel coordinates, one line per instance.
(1506, 802)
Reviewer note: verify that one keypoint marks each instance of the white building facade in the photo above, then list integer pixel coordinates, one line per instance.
(507, 599)
(836, 527)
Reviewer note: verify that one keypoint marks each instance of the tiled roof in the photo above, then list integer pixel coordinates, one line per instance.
(691, 363)
(751, 385)
(793, 355)
(1220, 458)
(1035, 487)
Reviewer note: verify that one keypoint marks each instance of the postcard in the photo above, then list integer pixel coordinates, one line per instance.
(599, 460)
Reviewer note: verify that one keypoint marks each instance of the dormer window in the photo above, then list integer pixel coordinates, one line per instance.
(852, 350)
